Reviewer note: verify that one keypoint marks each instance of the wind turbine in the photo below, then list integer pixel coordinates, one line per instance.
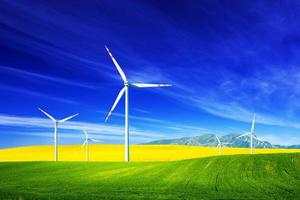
(125, 90)
(56, 122)
(86, 143)
(219, 146)
(251, 135)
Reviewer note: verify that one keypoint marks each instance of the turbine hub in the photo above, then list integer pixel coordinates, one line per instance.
(126, 83)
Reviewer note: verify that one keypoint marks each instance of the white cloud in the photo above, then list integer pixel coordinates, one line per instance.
(274, 139)
(229, 110)
(94, 129)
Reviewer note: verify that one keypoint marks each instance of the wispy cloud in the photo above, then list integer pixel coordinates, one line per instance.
(75, 136)
(98, 130)
(142, 110)
(147, 119)
(175, 129)
(274, 139)
(31, 75)
(229, 109)
(37, 94)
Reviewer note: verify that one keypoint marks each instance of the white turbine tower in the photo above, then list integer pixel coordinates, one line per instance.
(86, 143)
(251, 135)
(125, 90)
(56, 122)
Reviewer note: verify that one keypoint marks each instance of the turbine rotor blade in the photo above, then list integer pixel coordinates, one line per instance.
(253, 124)
(94, 140)
(83, 144)
(218, 139)
(243, 135)
(146, 85)
(117, 65)
(115, 103)
(255, 137)
(48, 115)
(67, 118)
(86, 136)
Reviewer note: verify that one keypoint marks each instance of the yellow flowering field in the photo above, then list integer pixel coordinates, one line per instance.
(102, 152)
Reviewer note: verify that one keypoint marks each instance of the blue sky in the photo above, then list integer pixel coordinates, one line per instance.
(226, 60)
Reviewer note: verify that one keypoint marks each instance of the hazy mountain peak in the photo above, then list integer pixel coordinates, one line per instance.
(229, 140)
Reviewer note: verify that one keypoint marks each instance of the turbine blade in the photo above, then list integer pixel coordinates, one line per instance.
(94, 140)
(86, 136)
(253, 124)
(117, 65)
(218, 140)
(83, 144)
(115, 103)
(257, 138)
(145, 85)
(243, 135)
(67, 118)
(48, 115)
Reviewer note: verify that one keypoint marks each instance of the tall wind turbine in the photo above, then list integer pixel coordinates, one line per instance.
(121, 93)
(56, 122)
(86, 143)
(251, 135)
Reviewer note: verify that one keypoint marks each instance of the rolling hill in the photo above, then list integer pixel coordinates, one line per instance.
(273, 176)
(229, 140)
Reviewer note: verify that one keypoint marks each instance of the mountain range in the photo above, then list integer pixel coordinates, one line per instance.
(230, 140)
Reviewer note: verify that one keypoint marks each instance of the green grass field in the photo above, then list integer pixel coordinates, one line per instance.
(272, 176)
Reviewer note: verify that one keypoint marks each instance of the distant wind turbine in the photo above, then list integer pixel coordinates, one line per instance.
(86, 143)
(252, 136)
(220, 144)
(125, 90)
(56, 122)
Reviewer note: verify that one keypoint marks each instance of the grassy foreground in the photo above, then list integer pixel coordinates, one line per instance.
(272, 176)
(101, 152)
